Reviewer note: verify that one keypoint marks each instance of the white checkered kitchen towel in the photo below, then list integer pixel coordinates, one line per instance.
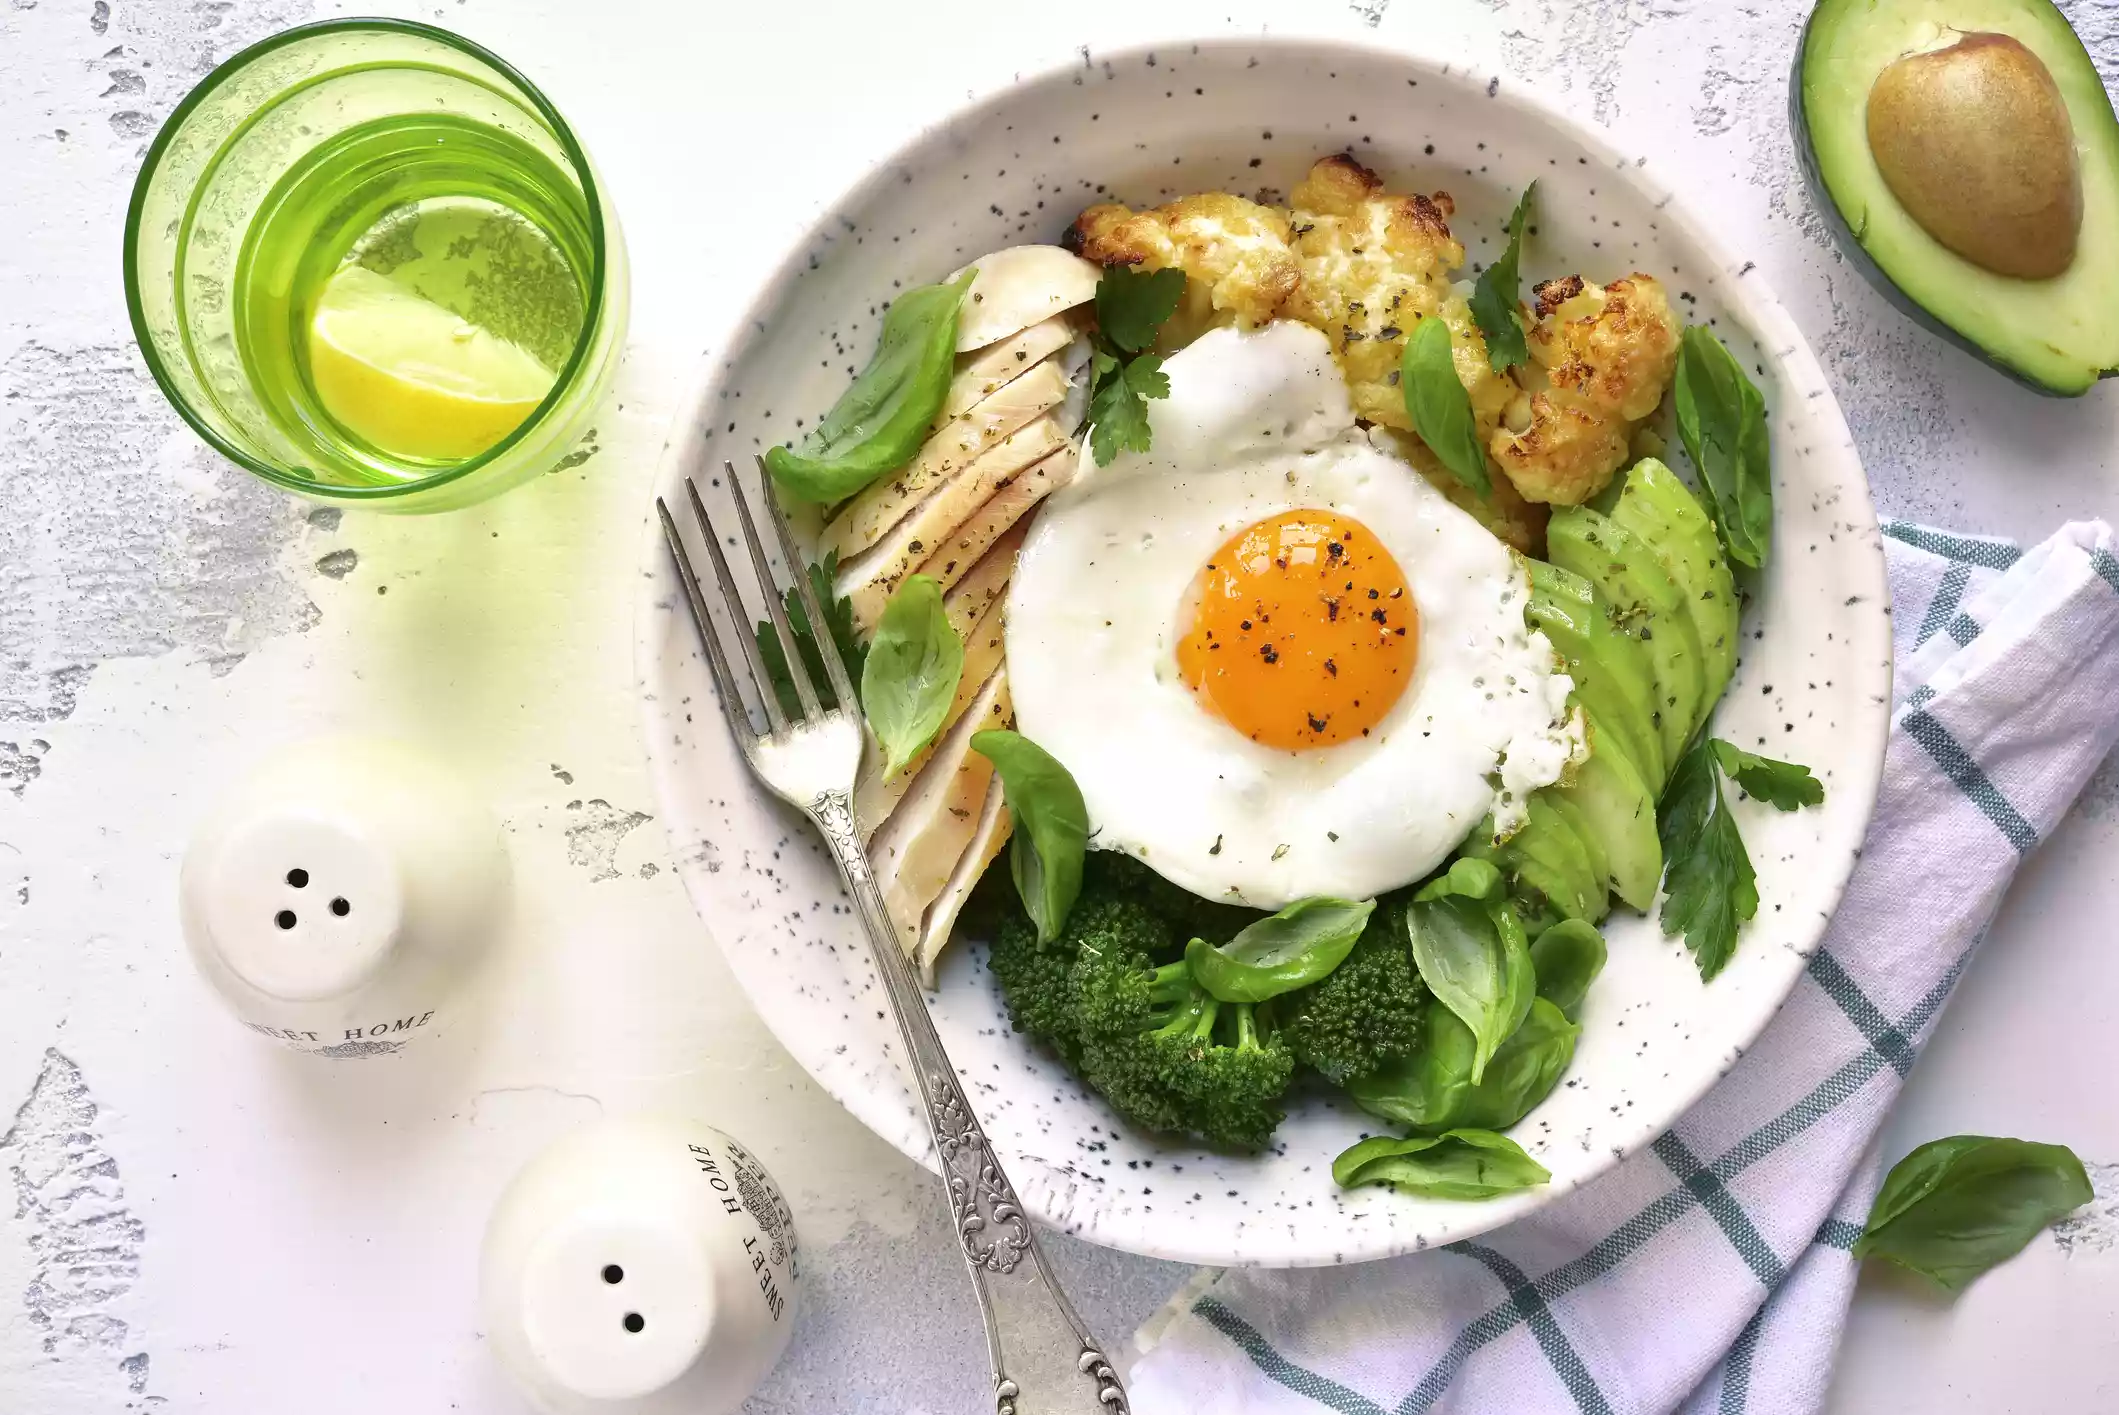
(1710, 1273)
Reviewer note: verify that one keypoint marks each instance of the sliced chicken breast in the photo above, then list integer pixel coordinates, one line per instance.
(876, 795)
(873, 576)
(984, 582)
(1017, 287)
(917, 849)
(956, 555)
(870, 516)
(996, 824)
(981, 375)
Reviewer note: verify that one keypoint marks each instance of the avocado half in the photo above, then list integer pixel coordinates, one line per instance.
(2057, 335)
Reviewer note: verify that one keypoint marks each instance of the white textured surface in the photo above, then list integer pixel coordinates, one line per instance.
(204, 1223)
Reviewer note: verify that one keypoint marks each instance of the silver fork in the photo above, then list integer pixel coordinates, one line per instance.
(1045, 1362)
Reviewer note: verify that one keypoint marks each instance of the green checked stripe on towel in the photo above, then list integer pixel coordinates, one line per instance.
(1711, 1273)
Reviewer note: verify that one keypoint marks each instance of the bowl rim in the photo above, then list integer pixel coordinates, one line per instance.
(1750, 301)
(599, 268)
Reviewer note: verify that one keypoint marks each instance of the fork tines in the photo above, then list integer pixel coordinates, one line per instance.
(767, 587)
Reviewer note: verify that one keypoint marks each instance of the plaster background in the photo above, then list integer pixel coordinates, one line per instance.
(203, 1223)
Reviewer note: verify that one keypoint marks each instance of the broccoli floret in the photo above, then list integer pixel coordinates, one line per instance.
(1115, 873)
(1367, 1013)
(1169, 1057)
(1035, 978)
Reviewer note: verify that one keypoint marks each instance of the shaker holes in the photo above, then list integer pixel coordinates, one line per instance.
(298, 878)
(285, 918)
(341, 908)
(614, 1274)
(634, 1322)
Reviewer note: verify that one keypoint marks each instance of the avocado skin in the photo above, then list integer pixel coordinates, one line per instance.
(1856, 255)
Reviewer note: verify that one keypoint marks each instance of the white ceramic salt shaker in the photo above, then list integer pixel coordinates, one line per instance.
(340, 895)
(643, 1265)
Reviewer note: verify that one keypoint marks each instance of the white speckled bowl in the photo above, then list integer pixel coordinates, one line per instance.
(1814, 683)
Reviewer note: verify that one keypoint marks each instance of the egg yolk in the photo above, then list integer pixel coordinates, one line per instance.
(1303, 633)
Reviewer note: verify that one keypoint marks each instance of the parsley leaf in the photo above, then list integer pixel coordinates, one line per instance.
(1709, 886)
(1495, 297)
(1118, 411)
(1786, 786)
(838, 620)
(1439, 406)
(1132, 304)
(1145, 376)
(1710, 889)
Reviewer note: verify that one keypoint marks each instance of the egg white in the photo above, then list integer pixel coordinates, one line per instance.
(1257, 424)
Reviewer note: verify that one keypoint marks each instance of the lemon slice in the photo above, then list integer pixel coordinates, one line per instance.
(413, 378)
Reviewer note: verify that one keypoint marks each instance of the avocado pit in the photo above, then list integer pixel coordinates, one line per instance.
(1973, 139)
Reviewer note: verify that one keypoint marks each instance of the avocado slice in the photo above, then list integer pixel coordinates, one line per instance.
(1591, 842)
(1546, 857)
(1646, 604)
(1616, 810)
(1664, 514)
(1613, 680)
(2055, 333)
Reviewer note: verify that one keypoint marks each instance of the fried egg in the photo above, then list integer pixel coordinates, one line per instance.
(1276, 661)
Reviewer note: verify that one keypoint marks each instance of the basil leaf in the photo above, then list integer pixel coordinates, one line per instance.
(1051, 826)
(880, 421)
(1709, 887)
(1567, 958)
(1460, 1164)
(914, 665)
(1473, 956)
(1523, 1072)
(1956, 1207)
(1427, 1090)
(1466, 876)
(1785, 786)
(1432, 1090)
(1722, 420)
(1441, 409)
(1499, 292)
(1131, 304)
(1292, 949)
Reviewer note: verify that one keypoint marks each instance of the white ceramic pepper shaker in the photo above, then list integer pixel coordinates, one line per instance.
(643, 1265)
(339, 896)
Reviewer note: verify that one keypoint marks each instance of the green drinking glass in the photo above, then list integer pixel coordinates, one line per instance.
(370, 262)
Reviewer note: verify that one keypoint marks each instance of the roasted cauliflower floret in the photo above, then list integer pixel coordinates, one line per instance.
(1363, 266)
(1603, 355)
(1234, 253)
(1373, 265)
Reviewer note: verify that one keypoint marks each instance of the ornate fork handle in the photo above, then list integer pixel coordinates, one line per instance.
(1044, 1360)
